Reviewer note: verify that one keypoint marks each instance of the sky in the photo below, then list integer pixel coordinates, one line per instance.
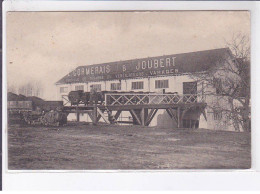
(45, 46)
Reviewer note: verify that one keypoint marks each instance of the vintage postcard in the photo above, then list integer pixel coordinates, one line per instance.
(128, 90)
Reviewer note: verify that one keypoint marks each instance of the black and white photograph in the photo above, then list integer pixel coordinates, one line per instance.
(128, 90)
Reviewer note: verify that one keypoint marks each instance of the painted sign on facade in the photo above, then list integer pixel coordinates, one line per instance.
(123, 70)
(146, 67)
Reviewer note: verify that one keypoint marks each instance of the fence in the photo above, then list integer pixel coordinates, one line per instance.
(141, 98)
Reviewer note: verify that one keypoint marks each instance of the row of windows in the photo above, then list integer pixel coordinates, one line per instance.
(140, 85)
(97, 87)
(158, 84)
(117, 86)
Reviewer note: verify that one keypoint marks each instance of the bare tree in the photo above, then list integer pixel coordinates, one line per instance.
(11, 88)
(240, 47)
(31, 89)
(228, 84)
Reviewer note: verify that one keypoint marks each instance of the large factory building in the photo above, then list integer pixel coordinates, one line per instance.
(161, 74)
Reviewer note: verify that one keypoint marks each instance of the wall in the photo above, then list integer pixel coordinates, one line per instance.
(161, 119)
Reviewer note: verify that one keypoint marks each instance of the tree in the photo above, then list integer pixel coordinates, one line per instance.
(31, 89)
(240, 47)
(227, 85)
(11, 88)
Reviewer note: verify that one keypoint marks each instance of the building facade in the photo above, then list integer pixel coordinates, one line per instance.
(163, 74)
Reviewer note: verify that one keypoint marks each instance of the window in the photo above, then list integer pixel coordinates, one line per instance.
(63, 89)
(189, 87)
(137, 85)
(161, 83)
(96, 87)
(79, 87)
(115, 86)
(217, 83)
(217, 114)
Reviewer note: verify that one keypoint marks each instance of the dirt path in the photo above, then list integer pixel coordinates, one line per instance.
(125, 147)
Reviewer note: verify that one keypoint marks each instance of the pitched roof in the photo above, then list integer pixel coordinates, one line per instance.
(145, 67)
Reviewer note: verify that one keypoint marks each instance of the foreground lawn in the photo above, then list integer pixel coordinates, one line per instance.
(87, 147)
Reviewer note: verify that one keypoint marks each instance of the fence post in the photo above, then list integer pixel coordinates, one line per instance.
(78, 115)
(179, 115)
(95, 115)
(144, 114)
(105, 99)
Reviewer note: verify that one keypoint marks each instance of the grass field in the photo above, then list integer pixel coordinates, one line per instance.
(87, 147)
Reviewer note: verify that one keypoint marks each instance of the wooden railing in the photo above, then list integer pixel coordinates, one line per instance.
(151, 98)
(65, 100)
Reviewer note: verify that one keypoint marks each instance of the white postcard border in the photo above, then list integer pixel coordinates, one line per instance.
(138, 180)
